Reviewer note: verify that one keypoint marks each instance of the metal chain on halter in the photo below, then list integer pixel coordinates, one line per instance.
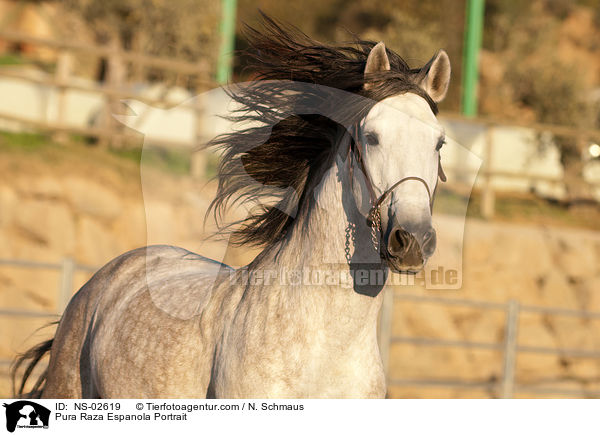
(375, 226)
(350, 238)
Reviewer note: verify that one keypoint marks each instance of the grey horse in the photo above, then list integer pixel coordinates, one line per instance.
(361, 188)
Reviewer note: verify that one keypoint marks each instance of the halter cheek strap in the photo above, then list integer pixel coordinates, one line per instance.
(374, 215)
(441, 173)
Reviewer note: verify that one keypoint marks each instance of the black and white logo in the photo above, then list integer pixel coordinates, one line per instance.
(25, 414)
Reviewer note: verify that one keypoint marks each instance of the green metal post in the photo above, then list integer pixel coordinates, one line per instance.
(472, 44)
(227, 40)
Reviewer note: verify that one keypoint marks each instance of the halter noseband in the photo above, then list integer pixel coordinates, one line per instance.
(374, 215)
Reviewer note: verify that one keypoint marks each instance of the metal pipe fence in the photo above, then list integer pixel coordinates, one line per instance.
(67, 269)
(506, 386)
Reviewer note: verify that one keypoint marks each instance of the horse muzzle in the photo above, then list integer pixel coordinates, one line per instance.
(407, 251)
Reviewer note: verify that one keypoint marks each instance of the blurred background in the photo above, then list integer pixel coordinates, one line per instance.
(524, 96)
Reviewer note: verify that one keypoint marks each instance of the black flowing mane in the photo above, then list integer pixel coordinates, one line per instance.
(276, 161)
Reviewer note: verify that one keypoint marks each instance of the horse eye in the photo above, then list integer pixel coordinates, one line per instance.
(440, 143)
(372, 139)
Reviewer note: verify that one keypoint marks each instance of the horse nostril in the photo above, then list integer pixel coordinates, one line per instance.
(399, 242)
(403, 244)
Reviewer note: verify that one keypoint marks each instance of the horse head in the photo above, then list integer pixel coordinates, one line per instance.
(398, 147)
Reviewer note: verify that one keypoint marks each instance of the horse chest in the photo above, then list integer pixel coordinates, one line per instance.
(358, 375)
(303, 368)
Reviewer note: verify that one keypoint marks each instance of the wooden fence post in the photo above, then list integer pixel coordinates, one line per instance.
(198, 156)
(487, 196)
(510, 348)
(115, 77)
(64, 67)
(385, 328)
(66, 283)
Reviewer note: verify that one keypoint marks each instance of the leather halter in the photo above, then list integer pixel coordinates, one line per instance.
(374, 215)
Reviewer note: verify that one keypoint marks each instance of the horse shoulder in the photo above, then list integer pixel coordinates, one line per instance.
(148, 320)
(179, 282)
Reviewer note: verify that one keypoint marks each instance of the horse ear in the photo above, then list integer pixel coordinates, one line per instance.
(434, 77)
(377, 61)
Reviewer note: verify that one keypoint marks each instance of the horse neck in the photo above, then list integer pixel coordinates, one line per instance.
(317, 244)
